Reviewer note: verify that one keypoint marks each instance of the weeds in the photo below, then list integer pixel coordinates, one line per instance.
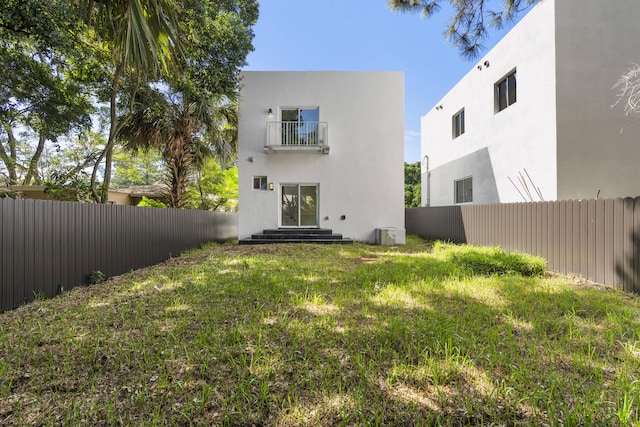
(427, 334)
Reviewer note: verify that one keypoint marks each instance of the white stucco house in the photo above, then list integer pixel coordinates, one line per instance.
(321, 150)
(538, 107)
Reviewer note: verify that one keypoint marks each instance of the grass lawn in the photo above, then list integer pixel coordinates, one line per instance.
(326, 335)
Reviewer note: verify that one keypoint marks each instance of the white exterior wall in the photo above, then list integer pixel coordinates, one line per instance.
(361, 178)
(496, 146)
(597, 42)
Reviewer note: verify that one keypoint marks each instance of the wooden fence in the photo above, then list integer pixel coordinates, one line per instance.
(597, 239)
(47, 247)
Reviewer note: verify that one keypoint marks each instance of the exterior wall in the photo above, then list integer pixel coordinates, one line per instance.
(477, 165)
(362, 177)
(118, 198)
(597, 41)
(520, 137)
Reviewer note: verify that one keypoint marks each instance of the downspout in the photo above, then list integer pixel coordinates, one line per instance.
(425, 164)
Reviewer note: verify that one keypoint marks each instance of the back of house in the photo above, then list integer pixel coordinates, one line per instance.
(321, 150)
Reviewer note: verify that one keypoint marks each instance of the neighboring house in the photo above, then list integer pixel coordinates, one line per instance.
(539, 106)
(321, 150)
(123, 196)
(134, 194)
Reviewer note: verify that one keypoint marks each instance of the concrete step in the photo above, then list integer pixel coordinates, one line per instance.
(253, 241)
(295, 235)
(301, 236)
(298, 231)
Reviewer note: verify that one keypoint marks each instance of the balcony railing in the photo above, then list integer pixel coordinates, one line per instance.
(297, 136)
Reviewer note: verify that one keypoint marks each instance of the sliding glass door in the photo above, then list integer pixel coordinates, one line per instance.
(299, 205)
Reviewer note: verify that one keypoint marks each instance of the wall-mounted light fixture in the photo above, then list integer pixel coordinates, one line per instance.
(485, 63)
(270, 112)
(439, 107)
(250, 159)
(271, 186)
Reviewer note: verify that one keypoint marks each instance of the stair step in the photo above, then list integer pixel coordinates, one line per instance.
(298, 231)
(301, 236)
(295, 235)
(253, 241)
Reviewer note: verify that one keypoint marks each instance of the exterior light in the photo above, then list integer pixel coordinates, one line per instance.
(271, 186)
(270, 112)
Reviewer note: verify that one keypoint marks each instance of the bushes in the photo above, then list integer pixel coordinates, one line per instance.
(490, 260)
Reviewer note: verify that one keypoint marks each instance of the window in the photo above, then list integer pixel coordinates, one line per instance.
(259, 182)
(464, 190)
(300, 126)
(506, 92)
(458, 124)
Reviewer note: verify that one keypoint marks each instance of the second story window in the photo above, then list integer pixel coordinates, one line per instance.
(458, 124)
(506, 91)
(300, 126)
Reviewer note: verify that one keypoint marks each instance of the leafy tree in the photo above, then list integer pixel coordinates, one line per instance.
(471, 19)
(184, 132)
(113, 48)
(48, 23)
(65, 169)
(141, 35)
(217, 37)
(214, 188)
(143, 168)
(71, 157)
(412, 186)
(69, 187)
(192, 115)
(150, 203)
(37, 91)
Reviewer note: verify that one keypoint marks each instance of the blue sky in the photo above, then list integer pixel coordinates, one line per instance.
(363, 35)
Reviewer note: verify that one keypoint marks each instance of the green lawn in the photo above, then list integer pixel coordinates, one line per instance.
(326, 335)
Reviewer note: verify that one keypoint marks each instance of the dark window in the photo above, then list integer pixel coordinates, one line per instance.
(300, 126)
(259, 182)
(458, 124)
(464, 190)
(506, 92)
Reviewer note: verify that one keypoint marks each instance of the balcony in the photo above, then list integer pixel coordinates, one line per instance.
(297, 136)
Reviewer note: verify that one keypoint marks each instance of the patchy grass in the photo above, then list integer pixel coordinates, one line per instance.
(326, 335)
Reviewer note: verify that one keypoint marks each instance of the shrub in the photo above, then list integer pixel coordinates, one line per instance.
(491, 260)
(150, 203)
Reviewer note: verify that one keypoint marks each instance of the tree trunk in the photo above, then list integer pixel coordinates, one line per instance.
(179, 170)
(10, 160)
(102, 195)
(33, 164)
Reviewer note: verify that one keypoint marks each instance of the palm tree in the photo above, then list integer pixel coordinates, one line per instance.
(142, 37)
(186, 132)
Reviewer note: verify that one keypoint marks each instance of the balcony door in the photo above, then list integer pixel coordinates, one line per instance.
(299, 205)
(300, 126)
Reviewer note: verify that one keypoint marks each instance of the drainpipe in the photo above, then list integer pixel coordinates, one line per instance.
(425, 165)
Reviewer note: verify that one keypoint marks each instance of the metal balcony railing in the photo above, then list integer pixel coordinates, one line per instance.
(297, 134)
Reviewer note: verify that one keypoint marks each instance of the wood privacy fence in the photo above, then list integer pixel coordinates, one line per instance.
(47, 247)
(597, 239)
